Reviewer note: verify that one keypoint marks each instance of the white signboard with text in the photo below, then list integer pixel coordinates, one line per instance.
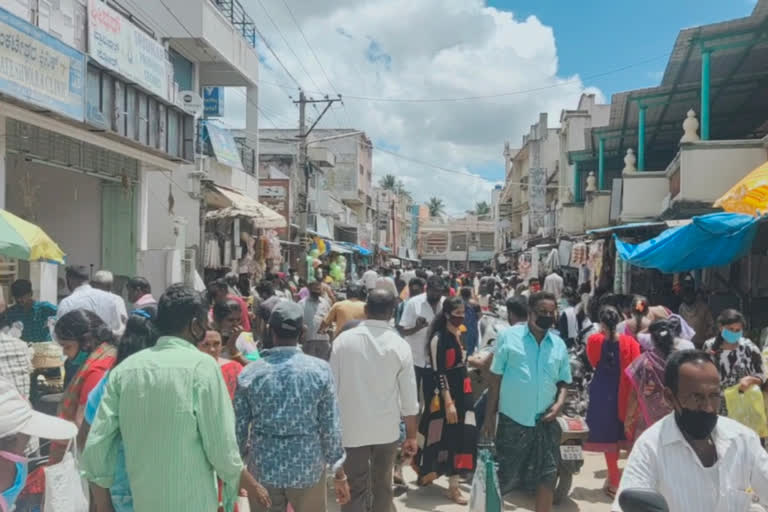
(117, 44)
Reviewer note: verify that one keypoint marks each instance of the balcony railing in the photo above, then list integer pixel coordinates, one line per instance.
(239, 18)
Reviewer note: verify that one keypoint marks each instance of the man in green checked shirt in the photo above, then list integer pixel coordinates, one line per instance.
(171, 408)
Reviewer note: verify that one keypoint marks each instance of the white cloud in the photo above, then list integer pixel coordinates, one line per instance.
(420, 49)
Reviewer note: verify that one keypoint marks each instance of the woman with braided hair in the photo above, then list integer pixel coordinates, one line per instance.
(609, 353)
(447, 427)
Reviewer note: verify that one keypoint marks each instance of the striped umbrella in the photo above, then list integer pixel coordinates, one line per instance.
(26, 241)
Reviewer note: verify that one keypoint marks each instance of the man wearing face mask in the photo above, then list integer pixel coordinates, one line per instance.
(527, 387)
(694, 458)
(172, 410)
(18, 422)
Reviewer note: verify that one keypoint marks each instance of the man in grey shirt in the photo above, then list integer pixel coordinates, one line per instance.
(316, 343)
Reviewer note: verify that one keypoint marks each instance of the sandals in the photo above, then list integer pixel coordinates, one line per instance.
(455, 495)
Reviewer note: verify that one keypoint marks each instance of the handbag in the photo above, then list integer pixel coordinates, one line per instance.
(65, 490)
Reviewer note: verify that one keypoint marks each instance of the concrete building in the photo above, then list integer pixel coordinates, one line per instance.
(530, 194)
(456, 244)
(101, 153)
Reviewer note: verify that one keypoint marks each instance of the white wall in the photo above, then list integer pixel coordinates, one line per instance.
(160, 222)
(597, 210)
(67, 204)
(642, 195)
(709, 169)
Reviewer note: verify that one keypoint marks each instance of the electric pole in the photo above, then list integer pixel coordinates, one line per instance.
(305, 167)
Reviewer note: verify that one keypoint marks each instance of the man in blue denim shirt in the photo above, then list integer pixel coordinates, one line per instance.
(287, 414)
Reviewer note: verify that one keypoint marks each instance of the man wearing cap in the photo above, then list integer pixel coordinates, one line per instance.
(286, 413)
(18, 422)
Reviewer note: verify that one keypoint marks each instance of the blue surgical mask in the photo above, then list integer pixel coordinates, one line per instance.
(731, 336)
(9, 496)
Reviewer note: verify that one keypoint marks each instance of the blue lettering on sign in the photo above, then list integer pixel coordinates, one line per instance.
(213, 100)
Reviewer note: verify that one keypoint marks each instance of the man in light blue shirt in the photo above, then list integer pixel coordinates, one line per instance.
(529, 375)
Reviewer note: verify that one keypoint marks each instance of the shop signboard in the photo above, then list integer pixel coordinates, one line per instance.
(38, 68)
(224, 146)
(119, 45)
(276, 194)
(213, 99)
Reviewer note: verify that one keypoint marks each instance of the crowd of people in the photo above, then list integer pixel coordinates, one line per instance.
(276, 391)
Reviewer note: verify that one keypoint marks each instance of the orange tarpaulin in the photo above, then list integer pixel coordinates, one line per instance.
(749, 195)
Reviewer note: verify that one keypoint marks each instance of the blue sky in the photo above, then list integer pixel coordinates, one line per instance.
(595, 36)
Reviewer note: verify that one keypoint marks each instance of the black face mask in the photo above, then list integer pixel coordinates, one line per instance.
(697, 425)
(545, 322)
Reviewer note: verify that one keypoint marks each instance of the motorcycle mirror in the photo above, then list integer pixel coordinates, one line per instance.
(642, 500)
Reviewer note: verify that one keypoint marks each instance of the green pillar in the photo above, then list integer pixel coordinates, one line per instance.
(705, 64)
(576, 183)
(601, 165)
(641, 138)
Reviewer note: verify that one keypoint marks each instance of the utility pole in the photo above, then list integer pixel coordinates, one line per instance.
(376, 230)
(306, 168)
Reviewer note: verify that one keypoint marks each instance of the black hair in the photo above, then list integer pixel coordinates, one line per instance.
(265, 288)
(466, 292)
(678, 359)
(380, 302)
(726, 317)
(177, 307)
(140, 333)
(85, 327)
(571, 296)
(639, 306)
(221, 310)
(440, 321)
(219, 284)
(610, 317)
(416, 281)
(435, 282)
(421, 273)
(139, 283)
(535, 298)
(517, 307)
(77, 273)
(533, 279)
(663, 336)
(355, 291)
(20, 288)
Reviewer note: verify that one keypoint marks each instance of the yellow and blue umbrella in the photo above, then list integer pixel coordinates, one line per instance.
(26, 241)
(749, 195)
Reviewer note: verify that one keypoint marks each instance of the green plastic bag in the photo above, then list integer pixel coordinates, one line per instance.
(486, 495)
(747, 408)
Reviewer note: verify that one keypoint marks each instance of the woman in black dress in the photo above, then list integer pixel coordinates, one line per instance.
(447, 431)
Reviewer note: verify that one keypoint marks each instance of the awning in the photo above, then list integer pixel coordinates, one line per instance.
(384, 248)
(227, 202)
(339, 248)
(708, 241)
(749, 195)
(358, 249)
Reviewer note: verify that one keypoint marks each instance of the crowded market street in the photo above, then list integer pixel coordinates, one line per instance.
(383, 256)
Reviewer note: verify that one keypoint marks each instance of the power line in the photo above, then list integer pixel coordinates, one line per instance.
(496, 95)
(269, 17)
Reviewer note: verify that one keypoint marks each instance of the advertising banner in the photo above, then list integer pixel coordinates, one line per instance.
(117, 44)
(224, 146)
(276, 194)
(38, 68)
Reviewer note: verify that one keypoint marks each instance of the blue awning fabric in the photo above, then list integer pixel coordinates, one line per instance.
(360, 250)
(709, 241)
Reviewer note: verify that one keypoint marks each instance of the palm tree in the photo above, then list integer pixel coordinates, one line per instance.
(482, 208)
(436, 206)
(388, 182)
(402, 192)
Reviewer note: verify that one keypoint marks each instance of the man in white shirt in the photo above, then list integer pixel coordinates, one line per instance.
(694, 458)
(376, 386)
(369, 279)
(109, 307)
(418, 313)
(553, 284)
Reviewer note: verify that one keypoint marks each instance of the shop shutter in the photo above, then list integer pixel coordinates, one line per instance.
(118, 220)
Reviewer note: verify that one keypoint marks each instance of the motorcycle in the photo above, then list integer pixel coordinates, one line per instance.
(573, 425)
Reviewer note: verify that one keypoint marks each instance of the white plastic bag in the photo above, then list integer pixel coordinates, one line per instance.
(64, 489)
(477, 496)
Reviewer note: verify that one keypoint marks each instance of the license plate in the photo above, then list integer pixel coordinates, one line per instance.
(571, 452)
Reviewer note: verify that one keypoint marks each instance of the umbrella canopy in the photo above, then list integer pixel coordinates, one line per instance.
(749, 195)
(26, 241)
(709, 241)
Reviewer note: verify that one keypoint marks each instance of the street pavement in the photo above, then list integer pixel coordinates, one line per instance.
(586, 494)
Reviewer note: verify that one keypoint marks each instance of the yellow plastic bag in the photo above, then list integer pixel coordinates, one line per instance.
(747, 408)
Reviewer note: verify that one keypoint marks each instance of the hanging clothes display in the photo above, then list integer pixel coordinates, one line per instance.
(579, 254)
(552, 261)
(212, 252)
(595, 262)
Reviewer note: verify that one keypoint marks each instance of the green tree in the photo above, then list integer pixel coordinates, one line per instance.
(388, 182)
(436, 206)
(482, 208)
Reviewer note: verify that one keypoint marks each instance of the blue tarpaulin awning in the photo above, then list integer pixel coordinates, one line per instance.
(708, 241)
(360, 250)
